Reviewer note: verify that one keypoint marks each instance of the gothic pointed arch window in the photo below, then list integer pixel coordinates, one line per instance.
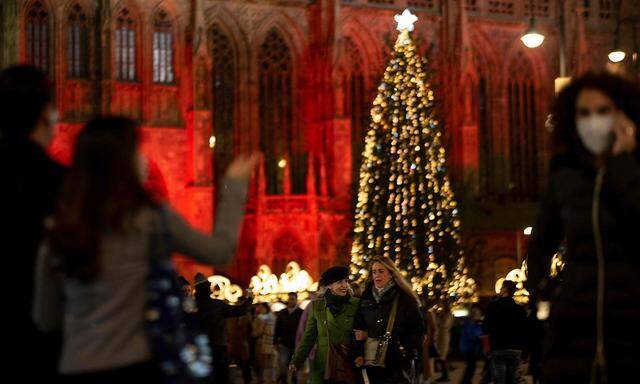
(38, 36)
(356, 104)
(524, 135)
(487, 151)
(280, 138)
(163, 48)
(482, 117)
(224, 95)
(77, 43)
(125, 46)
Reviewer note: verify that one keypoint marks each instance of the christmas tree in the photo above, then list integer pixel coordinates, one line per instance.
(406, 209)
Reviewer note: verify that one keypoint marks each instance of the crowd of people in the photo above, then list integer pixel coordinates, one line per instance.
(89, 250)
(384, 334)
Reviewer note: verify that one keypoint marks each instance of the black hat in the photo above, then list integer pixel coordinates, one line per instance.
(334, 274)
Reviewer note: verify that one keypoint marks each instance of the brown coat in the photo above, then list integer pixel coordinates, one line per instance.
(238, 332)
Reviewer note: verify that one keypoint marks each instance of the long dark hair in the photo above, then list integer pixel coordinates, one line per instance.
(624, 92)
(101, 192)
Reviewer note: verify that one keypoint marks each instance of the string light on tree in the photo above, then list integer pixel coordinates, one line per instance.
(212, 142)
(406, 208)
(282, 163)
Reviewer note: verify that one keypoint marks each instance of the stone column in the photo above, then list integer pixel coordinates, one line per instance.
(9, 34)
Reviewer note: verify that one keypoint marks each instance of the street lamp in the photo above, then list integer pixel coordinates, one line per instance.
(532, 38)
(617, 55)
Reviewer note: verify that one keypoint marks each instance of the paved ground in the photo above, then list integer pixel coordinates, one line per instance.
(455, 375)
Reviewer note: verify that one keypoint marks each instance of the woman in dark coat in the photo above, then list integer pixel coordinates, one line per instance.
(372, 317)
(592, 201)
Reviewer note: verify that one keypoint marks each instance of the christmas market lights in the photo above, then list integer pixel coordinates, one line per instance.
(267, 287)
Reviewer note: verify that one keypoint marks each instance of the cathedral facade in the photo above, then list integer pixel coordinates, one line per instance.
(294, 80)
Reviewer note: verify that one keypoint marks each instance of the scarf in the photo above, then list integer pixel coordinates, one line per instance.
(377, 294)
(335, 302)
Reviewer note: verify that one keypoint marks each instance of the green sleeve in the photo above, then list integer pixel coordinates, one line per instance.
(308, 340)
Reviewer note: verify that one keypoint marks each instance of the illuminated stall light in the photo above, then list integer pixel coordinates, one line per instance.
(268, 288)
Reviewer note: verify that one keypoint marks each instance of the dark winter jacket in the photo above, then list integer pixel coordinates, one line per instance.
(213, 314)
(286, 327)
(505, 322)
(30, 183)
(408, 330)
(470, 337)
(566, 213)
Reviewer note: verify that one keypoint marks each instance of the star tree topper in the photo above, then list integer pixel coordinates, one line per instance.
(405, 21)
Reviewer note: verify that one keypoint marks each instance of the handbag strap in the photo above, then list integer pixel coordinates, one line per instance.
(392, 317)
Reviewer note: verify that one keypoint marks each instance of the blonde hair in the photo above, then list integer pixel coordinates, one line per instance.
(397, 276)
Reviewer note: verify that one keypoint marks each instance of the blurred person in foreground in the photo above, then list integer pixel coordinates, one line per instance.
(593, 201)
(30, 184)
(92, 274)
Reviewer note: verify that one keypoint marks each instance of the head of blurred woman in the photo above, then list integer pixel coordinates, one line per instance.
(587, 109)
(383, 271)
(102, 192)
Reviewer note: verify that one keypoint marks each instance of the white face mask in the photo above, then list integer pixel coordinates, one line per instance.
(596, 132)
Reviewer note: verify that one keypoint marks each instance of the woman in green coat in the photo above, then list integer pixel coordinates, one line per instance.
(335, 310)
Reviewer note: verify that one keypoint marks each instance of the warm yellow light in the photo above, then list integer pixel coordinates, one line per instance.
(460, 312)
(617, 56)
(222, 289)
(269, 288)
(528, 231)
(560, 83)
(212, 142)
(557, 264)
(519, 277)
(282, 163)
(532, 39)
